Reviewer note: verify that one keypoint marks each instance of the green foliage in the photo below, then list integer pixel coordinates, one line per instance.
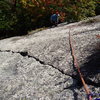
(13, 21)
(7, 19)
(97, 10)
(79, 10)
(20, 16)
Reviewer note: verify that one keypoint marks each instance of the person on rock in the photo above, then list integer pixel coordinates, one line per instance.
(55, 18)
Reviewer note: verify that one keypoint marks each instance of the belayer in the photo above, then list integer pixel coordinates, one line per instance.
(55, 18)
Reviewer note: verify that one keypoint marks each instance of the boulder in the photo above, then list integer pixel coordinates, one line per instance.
(40, 66)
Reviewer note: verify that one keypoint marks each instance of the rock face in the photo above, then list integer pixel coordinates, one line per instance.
(40, 66)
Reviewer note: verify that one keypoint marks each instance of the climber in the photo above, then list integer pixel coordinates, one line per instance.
(55, 18)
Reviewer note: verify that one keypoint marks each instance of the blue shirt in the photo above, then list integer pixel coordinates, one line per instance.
(54, 17)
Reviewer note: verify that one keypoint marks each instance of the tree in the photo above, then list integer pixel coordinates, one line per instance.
(17, 17)
(78, 9)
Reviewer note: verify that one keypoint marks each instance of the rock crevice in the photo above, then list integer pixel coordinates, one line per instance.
(24, 54)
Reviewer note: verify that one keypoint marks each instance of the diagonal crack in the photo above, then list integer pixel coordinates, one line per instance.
(25, 53)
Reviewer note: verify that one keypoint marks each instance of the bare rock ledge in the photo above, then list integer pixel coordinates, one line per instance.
(40, 66)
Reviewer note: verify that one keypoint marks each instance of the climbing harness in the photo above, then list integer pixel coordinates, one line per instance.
(96, 96)
(78, 69)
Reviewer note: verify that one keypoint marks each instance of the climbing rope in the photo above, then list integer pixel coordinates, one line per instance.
(76, 65)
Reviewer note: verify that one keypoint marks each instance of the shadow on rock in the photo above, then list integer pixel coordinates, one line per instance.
(90, 71)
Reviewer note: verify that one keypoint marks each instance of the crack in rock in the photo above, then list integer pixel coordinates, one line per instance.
(76, 77)
(24, 54)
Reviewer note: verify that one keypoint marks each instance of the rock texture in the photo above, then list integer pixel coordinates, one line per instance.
(40, 66)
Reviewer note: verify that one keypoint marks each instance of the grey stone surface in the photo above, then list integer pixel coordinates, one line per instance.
(24, 78)
(40, 66)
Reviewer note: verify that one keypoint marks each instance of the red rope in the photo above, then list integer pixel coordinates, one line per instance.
(78, 69)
